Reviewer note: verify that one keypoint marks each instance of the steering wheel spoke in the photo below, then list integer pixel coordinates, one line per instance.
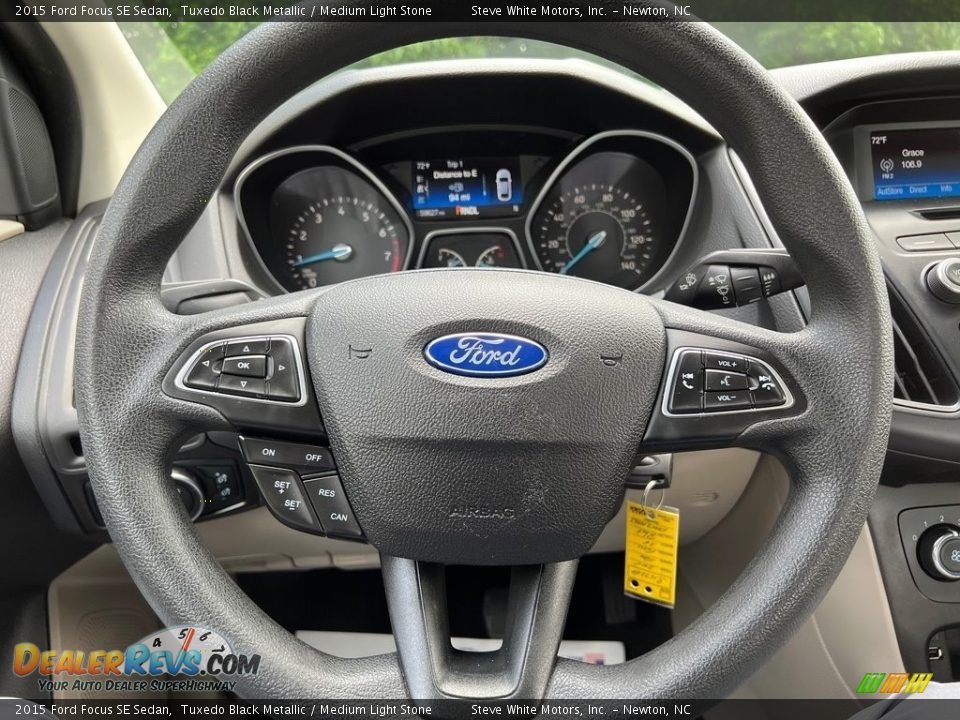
(537, 604)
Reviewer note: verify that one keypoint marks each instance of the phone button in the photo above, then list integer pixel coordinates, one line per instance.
(687, 394)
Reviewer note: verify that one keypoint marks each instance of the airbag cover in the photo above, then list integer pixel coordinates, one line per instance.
(445, 467)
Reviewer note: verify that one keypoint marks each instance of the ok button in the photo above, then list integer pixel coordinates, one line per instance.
(246, 366)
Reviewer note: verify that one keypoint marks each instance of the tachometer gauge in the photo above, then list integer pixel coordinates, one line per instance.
(342, 237)
(330, 225)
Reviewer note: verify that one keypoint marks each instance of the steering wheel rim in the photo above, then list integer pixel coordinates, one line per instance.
(833, 449)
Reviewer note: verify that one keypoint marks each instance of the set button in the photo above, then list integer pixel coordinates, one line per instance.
(281, 489)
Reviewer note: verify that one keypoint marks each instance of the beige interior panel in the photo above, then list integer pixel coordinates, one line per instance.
(728, 499)
(705, 486)
(118, 103)
(850, 633)
(10, 229)
(90, 613)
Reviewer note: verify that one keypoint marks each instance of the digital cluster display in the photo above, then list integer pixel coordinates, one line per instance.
(466, 187)
(917, 163)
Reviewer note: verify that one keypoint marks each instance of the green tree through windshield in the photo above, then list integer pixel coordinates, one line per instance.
(173, 53)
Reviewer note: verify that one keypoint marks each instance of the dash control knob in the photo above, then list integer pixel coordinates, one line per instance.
(938, 551)
(943, 280)
(191, 495)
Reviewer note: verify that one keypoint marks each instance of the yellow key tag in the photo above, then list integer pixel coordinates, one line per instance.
(650, 567)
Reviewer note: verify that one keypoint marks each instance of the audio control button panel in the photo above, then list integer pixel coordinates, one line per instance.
(261, 368)
(710, 381)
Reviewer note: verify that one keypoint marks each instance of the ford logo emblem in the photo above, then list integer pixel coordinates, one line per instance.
(485, 354)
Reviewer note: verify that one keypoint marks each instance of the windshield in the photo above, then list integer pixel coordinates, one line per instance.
(174, 53)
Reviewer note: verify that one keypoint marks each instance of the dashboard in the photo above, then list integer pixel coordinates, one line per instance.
(575, 170)
(611, 207)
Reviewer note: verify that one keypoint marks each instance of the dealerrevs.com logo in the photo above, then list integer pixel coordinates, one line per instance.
(894, 683)
(175, 659)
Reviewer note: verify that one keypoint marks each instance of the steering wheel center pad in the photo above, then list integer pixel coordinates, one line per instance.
(449, 468)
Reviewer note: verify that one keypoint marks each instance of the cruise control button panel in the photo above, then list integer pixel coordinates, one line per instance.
(708, 381)
(259, 368)
(301, 487)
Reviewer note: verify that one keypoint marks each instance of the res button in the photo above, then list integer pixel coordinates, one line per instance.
(331, 505)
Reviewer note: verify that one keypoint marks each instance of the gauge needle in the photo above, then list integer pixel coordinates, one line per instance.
(337, 252)
(595, 241)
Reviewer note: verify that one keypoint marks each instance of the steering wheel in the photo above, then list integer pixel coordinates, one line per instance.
(545, 452)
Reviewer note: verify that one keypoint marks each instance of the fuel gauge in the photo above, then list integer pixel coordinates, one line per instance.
(498, 255)
(481, 249)
(449, 258)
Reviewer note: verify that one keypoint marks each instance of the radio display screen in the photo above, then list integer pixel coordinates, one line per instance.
(467, 187)
(918, 163)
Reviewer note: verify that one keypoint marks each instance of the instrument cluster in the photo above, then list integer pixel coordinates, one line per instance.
(611, 207)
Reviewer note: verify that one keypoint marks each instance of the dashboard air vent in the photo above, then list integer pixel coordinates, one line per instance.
(921, 375)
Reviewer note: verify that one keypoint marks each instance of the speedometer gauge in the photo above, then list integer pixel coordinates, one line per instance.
(613, 210)
(597, 230)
